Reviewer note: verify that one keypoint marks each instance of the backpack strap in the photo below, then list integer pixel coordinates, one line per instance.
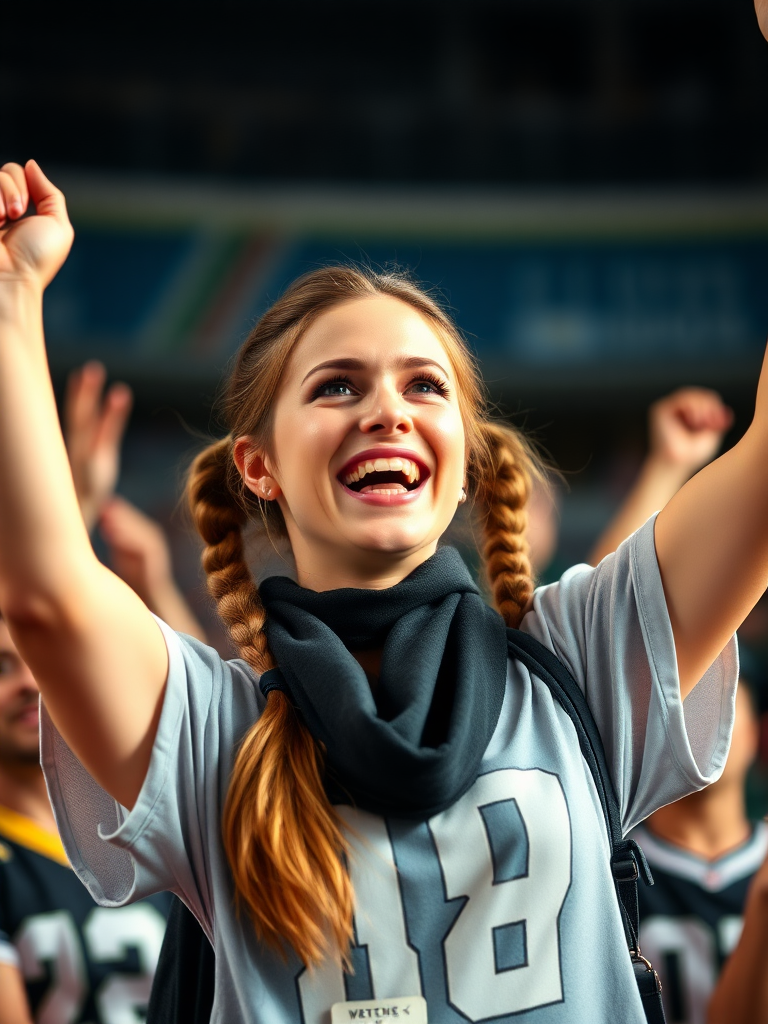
(627, 859)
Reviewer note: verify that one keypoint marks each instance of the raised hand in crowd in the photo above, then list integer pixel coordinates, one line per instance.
(140, 555)
(685, 432)
(94, 425)
(95, 418)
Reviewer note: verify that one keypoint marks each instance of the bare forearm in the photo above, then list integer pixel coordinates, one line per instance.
(712, 546)
(44, 540)
(658, 481)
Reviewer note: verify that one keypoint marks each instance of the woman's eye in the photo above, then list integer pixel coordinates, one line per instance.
(333, 389)
(428, 387)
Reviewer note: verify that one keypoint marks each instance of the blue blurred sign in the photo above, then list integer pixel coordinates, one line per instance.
(194, 292)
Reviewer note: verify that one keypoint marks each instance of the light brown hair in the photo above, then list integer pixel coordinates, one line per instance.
(285, 843)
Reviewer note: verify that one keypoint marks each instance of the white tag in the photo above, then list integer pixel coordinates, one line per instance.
(405, 1008)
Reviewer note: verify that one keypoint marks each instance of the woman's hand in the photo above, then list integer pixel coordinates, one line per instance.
(32, 249)
(761, 9)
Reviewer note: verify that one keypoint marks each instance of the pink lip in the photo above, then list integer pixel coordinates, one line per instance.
(394, 498)
(30, 717)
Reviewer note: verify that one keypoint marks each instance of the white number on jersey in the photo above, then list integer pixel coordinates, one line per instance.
(379, 925)
(524, 908)
(53, 939)
(531, 902)
(109, 933)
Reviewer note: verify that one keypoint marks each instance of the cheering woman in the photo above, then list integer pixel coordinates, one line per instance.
(374, 811)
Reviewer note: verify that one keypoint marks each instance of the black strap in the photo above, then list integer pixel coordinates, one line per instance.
(184, 983)
(627, 859)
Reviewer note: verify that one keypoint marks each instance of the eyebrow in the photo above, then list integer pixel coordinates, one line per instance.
(403, 363)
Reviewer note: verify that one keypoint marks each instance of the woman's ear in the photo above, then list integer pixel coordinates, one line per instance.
(253, 466)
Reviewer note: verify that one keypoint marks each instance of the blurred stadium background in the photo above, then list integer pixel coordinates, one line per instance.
(584, 181)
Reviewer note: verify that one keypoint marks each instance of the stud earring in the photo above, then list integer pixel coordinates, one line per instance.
(462, 496)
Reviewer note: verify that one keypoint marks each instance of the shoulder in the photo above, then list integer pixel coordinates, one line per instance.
(592, 609)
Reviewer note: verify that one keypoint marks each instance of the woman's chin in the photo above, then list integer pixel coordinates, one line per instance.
(395, 544)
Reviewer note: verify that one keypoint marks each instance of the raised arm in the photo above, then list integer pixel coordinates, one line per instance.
(95, 651)
(685, 431)
(712, 546)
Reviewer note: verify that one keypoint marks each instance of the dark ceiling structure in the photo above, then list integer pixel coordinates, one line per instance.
(507, 92)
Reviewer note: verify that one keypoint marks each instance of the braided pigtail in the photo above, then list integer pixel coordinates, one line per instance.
(501, 480)
(283, 839)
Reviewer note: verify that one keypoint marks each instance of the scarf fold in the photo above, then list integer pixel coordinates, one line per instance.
(414, 748)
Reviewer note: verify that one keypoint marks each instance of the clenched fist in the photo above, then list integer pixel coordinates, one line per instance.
(31, 248)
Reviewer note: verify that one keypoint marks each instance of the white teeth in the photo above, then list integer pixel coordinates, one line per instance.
(407, 467)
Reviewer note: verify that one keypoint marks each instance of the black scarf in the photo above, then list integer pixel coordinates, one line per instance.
(415, 748)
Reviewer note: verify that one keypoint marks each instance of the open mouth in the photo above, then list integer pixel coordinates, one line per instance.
(383, 475)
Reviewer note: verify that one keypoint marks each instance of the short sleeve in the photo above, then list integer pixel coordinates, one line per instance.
(165, 841)
(610, 626)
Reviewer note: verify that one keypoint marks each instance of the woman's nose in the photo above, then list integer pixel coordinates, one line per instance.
(386, 413)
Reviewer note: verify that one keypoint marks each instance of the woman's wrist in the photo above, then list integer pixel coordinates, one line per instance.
(21, 304)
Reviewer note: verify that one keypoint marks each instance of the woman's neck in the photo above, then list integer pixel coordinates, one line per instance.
(707, 824)
(321, 570)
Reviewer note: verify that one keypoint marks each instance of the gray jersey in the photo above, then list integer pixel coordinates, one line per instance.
(500, 908)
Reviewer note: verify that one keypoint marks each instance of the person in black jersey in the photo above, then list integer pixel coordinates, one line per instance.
(703, 852)
(63, 959)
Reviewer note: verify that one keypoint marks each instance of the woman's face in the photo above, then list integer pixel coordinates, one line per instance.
(367, 454)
